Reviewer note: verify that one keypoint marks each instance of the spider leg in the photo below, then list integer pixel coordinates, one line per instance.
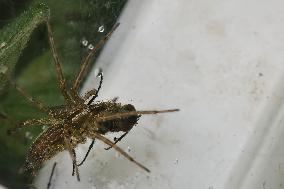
(116, 140)
(118, 149)
(90, 147)
(60, 77)
(132, 113)
(27, 123)
(32, 101)
(85, 63)
(73, 157)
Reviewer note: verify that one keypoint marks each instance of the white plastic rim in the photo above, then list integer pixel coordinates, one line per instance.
(221, 62)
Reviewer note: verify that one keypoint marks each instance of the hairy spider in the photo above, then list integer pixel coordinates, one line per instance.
(79, 118)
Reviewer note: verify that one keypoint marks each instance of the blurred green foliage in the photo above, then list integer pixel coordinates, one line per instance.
(25, 56)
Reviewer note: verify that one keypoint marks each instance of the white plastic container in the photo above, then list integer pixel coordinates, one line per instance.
(221, 62)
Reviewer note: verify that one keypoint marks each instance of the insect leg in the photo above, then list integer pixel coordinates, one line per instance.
(118, 149)
(132, 113)
(116, 140)
(32, 101)
(90, 147)
(85, 63)
(73, 157)
(52, 172)
(60, 77)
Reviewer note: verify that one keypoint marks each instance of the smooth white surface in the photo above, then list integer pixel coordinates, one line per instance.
(221, 63)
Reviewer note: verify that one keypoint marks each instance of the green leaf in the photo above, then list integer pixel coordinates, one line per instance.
(14, 38)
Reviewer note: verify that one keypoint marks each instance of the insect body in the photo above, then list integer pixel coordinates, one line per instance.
(79, 118)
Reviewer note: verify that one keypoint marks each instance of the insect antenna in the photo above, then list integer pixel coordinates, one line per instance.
(89, 103)
(116, 140)
(52, 172)
(100, 85)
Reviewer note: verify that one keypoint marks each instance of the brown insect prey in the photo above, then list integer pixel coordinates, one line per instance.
(79, 118)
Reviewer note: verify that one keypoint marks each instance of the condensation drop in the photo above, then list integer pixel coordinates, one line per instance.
(91, 47)
(94, 187)
(84, 42)
(101, 29)
(128, 149)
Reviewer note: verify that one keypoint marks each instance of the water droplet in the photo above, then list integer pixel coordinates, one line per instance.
(176, 161)
(91, 47)
(101, 29)
(84, 42)
(94, 187)
(128, 149)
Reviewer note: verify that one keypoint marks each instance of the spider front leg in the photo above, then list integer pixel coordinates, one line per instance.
(60, 77)
(96, 135)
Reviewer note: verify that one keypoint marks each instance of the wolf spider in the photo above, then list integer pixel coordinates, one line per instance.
(79, 118)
